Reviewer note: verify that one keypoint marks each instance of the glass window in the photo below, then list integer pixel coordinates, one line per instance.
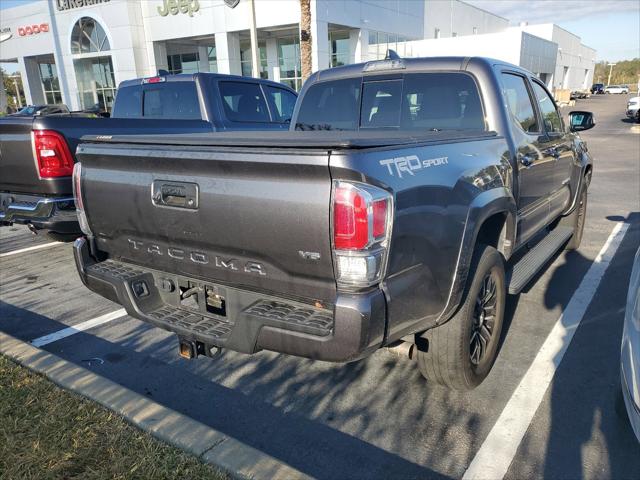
(282, 103)
(519, 102)
(184, 63)
(330, 106)
(246, 62)
(244, 102)
(171, 100)
(96, 82)
(339, 48)
(441, 101)
(213, 59)
(128, 102)
(289, 61)
(50, 83)
(550, 116)
(88, 36)
(429, 101)
(381, 103)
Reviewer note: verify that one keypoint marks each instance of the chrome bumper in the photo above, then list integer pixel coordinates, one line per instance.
(42, 208)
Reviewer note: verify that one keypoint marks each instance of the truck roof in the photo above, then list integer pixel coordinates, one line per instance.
(378, 67)
(191, 77)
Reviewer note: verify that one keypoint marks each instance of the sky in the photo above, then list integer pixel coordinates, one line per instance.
(612, 27)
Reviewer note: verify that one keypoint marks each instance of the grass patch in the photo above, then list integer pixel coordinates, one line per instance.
(49, 433)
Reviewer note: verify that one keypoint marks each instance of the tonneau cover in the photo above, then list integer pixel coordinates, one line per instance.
(297, 139)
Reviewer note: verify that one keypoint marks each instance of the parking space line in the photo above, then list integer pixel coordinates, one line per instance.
(29, 249)
(495, 455)
(67, 332)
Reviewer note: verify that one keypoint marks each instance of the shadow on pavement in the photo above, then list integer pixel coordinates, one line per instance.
(309, 446)
(586, 435)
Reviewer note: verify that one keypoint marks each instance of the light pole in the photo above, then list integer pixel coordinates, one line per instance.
(15, 83)
(611, 65)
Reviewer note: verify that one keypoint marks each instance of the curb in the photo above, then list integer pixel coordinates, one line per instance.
(211, 446)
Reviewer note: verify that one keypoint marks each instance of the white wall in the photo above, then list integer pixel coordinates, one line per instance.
(18, 47)
(502, 46)
(454, 16)
(574, 58)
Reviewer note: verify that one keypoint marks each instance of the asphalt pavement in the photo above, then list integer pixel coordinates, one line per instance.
(378, 418)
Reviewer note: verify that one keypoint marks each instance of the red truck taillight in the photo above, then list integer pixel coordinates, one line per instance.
(52, 154)
(77, 195)
(362, 216)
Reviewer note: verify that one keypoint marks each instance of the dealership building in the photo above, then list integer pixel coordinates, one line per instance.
(77, 51)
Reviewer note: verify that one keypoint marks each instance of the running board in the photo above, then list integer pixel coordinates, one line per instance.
(526, 268)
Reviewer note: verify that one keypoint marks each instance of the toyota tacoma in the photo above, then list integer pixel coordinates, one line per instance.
(410, 197)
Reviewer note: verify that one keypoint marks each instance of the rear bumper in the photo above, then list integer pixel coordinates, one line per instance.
(57, 214)
(351, 329)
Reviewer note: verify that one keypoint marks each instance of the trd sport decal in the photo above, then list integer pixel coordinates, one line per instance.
(411, 163)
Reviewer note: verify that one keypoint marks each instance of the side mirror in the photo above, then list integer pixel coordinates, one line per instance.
(580, 121)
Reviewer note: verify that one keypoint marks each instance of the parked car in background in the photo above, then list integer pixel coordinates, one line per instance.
(414, 195)
(633, 109)
(597, 88)
(630, 354)
(33, 110)
(579, 94)
(37, 152)
(618, 89)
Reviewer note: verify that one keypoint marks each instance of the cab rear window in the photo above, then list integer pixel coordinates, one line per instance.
(164, 100)
(420, 101)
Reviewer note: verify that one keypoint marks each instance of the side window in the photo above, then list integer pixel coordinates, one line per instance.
(128, 103)
(519, 102)
(178, 100)
(244, 102)
(282, 102)
(550, 115)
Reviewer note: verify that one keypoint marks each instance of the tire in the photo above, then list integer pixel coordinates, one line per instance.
(577, 219)
(452, 358)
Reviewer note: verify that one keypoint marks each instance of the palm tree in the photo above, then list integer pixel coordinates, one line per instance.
(305, 38)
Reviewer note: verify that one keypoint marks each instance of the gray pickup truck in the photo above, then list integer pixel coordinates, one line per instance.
(410, 197)
(37, 151)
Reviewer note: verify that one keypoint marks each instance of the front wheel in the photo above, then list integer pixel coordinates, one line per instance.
(462, 351)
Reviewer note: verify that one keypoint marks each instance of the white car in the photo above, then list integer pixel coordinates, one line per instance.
(616, 89)
(633, 109)
(630, 353)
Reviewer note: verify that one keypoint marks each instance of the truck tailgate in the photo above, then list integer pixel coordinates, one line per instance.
(255, 218)
(18, 172)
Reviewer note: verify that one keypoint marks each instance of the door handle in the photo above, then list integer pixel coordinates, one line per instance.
(175, 194)
(552, 152)
(526, 159)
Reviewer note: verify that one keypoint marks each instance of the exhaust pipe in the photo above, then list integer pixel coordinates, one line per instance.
(403, 349)
(32, 229)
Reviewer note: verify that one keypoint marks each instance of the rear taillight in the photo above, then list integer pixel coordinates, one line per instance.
(77, 195)
(52, 154)
(362, 217)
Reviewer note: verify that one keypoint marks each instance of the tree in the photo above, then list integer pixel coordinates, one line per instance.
(9, 86)
(625, 72)
(305, 38)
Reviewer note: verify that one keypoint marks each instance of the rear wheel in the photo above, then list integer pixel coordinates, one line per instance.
(576, 220)
(462, 351)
